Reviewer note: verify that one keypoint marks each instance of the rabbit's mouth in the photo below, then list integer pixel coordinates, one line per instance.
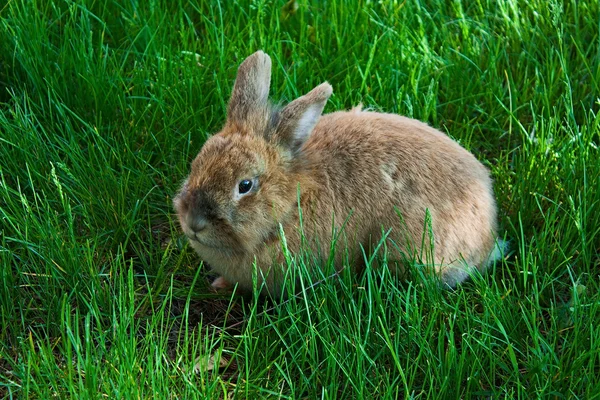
(207, 244)
(212, 252)
(194, 238)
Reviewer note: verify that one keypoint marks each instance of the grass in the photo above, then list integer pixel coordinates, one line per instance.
(104, 104)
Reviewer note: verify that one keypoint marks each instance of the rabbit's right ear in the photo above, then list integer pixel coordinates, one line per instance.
(249, 98)
(297, 119)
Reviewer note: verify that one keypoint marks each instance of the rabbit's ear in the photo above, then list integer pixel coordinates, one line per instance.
(297, 119)
(251, 89)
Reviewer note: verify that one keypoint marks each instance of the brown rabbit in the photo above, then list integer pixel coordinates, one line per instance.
(385, 171)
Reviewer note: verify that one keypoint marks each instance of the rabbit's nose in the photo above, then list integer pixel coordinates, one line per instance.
(198, 224)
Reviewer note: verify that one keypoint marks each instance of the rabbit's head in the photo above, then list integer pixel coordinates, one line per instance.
(244, 180)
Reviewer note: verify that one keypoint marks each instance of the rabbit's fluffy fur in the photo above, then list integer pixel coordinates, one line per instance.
(384, 170)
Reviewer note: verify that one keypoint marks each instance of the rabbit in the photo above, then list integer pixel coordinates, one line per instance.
(366, 174)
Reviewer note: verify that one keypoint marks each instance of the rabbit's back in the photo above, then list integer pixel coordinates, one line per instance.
(376, 164)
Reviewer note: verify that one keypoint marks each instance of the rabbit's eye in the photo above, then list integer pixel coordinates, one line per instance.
(245, 186)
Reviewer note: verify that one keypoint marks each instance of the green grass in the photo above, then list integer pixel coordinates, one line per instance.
(104, 104)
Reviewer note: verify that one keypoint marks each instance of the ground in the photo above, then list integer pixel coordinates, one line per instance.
(104, 104)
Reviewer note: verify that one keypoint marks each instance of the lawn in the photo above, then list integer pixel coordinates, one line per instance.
(103, 105)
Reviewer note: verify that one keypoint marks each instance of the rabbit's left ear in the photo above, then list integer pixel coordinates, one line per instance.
(251, 89)
(298, 119)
